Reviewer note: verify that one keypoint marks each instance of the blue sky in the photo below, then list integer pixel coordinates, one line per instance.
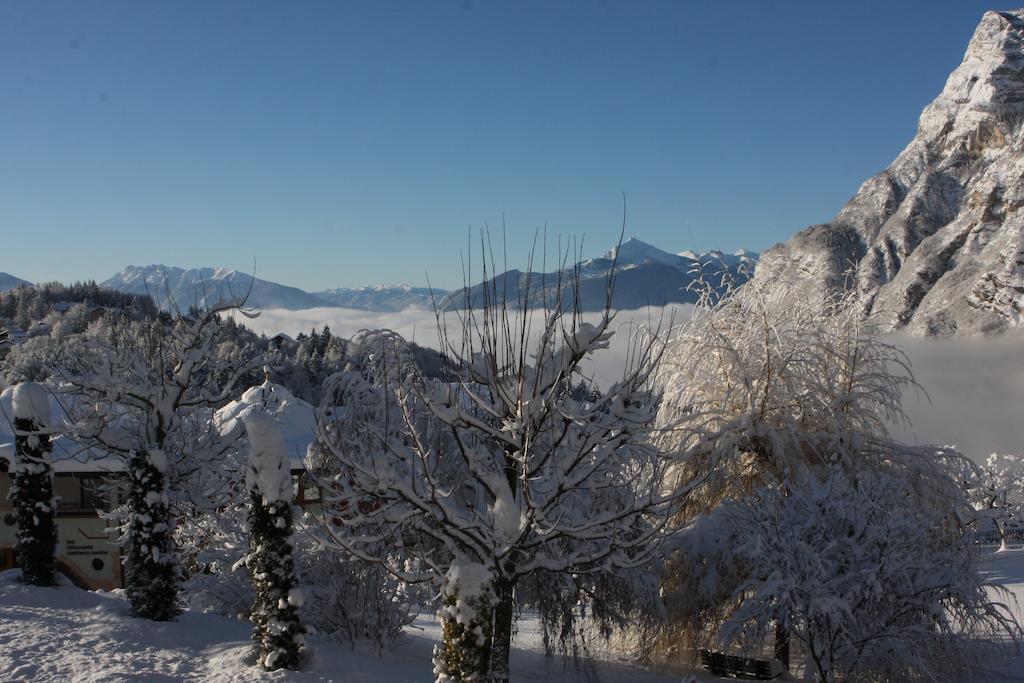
(347, 143)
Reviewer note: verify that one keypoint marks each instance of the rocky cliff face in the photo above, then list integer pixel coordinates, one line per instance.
(935, 243)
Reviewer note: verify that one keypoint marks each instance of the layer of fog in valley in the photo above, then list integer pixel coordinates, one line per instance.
(972, 389)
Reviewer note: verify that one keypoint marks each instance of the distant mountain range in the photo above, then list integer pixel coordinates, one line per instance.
(645, 275)
(8, 281)
(384, 298)
(171, 286)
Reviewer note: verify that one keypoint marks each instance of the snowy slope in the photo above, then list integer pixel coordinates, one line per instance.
(937, 239)
(8, 281)
(67, 635)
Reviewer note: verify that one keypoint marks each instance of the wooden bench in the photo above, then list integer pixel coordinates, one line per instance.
(721, 664)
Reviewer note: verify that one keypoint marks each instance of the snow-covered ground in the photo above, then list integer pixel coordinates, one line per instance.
(69, 635)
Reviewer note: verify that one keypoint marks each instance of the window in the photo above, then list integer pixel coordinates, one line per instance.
(70, 491)
(94, 494)
(5, 489)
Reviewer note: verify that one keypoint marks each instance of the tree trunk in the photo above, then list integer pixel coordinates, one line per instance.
(782, 645)
(501, 642)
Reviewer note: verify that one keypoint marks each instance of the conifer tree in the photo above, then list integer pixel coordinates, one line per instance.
(152, 570)
(32, 486)
(277, 634)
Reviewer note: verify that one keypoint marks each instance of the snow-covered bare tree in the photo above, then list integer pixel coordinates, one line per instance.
(501, 473)
(129, 388)
(998, 492)
(776, 398)
(32, 485)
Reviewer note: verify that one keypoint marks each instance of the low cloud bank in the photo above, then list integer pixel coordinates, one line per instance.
(976, 392)
(420, 326)
(975, 387)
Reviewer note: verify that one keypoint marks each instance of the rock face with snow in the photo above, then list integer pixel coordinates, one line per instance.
(935, 243)
(644, 276)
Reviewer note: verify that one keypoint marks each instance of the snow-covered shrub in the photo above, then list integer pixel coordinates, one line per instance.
(467, 602)
(31, 490)
(346, 599)
(871, 588)
(350, 600)
(213, 546)
(277, 633)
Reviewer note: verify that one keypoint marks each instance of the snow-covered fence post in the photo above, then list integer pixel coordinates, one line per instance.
(152, 573)
(277, 634)
(32, 486)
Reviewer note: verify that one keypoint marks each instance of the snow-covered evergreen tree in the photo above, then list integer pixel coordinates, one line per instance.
(277, 634)
(152, 574)
(32, 486)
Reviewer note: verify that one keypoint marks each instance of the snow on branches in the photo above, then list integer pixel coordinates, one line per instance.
(145, 390)
(814, 523)
(998, 494)
(502, 468)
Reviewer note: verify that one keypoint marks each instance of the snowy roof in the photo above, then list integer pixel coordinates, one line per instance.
(68, 455)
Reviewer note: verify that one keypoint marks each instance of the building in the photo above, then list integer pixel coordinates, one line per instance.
(87, 552)
(87, 479)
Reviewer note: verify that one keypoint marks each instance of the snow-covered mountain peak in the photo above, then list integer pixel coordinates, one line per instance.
(633, 251)
(985, 92)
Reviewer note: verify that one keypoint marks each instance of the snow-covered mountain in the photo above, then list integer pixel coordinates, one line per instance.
(381, 298)
(8, 281)
(644, 276)
(171, 286)
(936, 241)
